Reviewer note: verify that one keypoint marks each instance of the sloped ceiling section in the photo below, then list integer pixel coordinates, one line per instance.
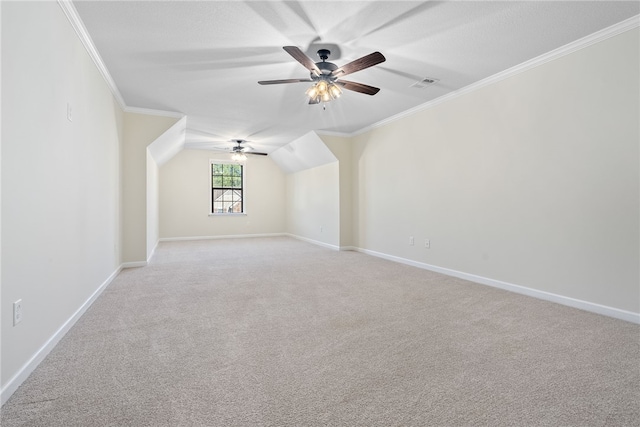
(169, 143)
(204, 59)
(306, 152)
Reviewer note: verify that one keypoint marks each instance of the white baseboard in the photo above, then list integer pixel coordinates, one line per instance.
(628, 316)
(315, 242)
(229, 236)
(133, 264)
(26, 370)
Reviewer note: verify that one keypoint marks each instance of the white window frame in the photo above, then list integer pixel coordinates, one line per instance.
(244, 188)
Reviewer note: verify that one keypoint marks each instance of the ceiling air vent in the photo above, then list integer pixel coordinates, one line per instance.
(427, 81)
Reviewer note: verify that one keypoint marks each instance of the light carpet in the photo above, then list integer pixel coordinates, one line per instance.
(279, 332)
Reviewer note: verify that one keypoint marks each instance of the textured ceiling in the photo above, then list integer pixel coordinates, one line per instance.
(204, 58)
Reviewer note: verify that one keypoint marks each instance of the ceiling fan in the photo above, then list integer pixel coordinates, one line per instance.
(327, 76)
(239, 152)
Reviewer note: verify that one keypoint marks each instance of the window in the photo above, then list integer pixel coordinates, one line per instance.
(227, 188)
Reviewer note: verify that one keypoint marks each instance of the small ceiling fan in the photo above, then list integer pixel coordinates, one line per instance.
(327, 76)
(239, 148)
(239, 151)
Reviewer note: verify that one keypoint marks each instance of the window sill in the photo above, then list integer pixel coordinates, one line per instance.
(228, 214)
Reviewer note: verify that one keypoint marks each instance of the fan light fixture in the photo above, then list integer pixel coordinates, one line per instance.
(239, 152)
(326, 77)
(238, 156)
(324, 91)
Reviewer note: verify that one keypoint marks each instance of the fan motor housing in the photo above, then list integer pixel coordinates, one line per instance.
(326, 67)
(323, 66)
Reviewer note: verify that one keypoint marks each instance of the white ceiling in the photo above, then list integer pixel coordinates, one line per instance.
(204, 58)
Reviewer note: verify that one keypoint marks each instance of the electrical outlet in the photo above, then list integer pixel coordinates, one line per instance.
(321, 229)
(17, 312)
(411, 241)
(427, 243)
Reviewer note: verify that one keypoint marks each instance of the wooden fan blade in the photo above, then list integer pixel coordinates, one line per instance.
(256, 153)
(359, 64)
(302, 58)
(277, 82)
(358, 87)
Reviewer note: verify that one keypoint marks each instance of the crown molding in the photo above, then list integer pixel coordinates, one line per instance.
(567, 49)
(72, 15)
(614, 30)
(334, 133)
(152, 112)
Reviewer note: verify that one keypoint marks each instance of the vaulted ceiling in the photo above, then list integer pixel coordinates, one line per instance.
(204, 58)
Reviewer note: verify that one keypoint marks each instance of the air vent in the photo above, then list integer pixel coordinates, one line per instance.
(427, 81)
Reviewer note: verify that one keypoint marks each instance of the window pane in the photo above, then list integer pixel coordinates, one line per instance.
(226, 183)
(217, 195)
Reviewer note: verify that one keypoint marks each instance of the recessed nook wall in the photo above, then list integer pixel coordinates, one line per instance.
(140, 131)
(185, 187)
(313, 204)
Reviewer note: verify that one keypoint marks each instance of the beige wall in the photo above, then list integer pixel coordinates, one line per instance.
(140, 130)
(533, 180)
(60, 179)
(185, 187)
(341, 147)
(313, 204)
